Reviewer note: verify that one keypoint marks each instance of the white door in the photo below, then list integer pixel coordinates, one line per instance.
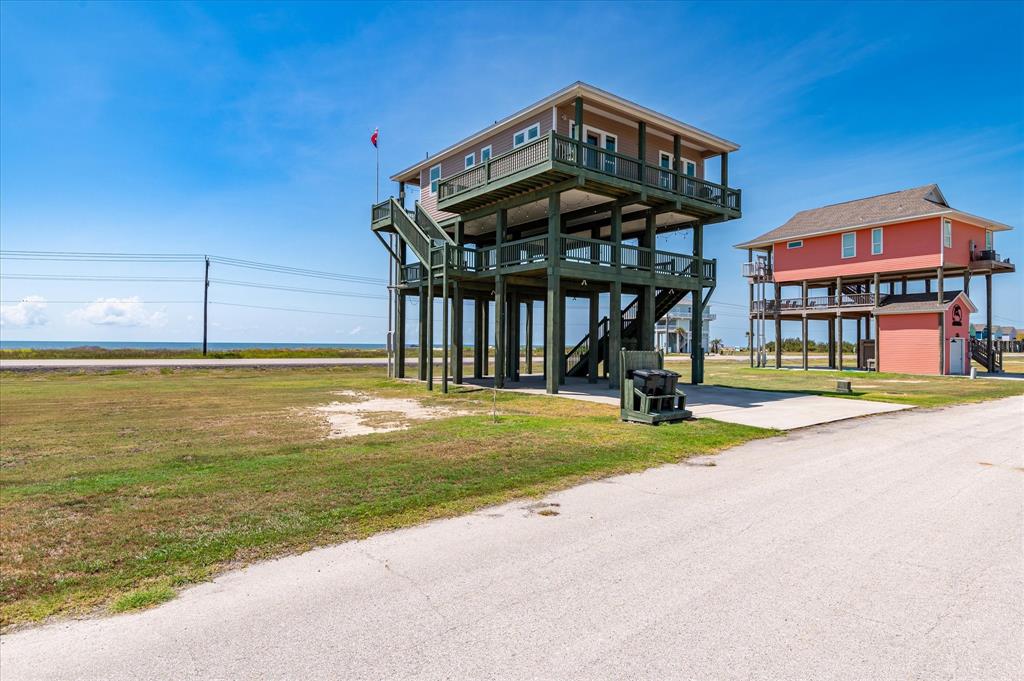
(957, 350)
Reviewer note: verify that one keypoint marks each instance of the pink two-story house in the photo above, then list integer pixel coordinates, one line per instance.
(855, 263)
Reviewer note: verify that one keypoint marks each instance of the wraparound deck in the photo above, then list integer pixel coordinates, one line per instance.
(591, 258)
(553, 157)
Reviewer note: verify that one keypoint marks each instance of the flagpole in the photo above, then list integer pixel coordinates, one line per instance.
(389, 341)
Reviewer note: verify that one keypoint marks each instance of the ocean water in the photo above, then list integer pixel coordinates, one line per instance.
(171, 345)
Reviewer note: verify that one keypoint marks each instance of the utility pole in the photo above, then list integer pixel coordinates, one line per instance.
(206, 299)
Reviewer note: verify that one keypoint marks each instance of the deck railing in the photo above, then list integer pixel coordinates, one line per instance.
(815, 302)
(381, 211)
(566, 150)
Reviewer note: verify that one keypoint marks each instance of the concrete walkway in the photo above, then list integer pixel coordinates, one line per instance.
(761, 408)
(886, 548)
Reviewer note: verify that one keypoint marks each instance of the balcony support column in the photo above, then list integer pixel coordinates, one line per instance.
(940, 283)
(697, 310)
(967, 283)
(803, 328)
(988, 322)
(778, 325)
(457, 332)
(430, 327)
(578, 118)
(725, 171)
(529, 336)
(485, 349)
(831, 339)
(400, 335)
(839, 323)
(592, 357)
(479, 336)
(641, 146)
(856, 345)
(445, 327)
(423, 359)
(615, 301)
(554, 328)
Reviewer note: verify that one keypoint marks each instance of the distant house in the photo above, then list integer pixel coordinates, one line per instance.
(672, 334)
(1007, 338)
(854, 262)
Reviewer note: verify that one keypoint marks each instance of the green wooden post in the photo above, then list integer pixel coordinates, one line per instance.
(592, 357)
(641, 148)
(529, 336)
(650, 315)
(697, 310)
(677, 151)
(422, 368)
(457, 332)
(400, 335)
(560, 348)
(555, 356)
(430, 325)
(486, 332)
(578, 117)
(615, 301)
(478, 336)
(500, 325)
(445, 318)
(803, 349)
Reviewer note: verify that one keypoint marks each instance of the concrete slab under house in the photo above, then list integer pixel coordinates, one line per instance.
(566, 198)
(855, 262)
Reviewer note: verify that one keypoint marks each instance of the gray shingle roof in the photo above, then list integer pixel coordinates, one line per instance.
(909, 303)
(901, 205)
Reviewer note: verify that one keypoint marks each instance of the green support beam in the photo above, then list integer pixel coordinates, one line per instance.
(554, 324)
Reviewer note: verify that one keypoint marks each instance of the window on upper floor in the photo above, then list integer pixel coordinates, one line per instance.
(485, 154)
(435, 177)
(876, 241)
(947, 233)
(688, 167)
(850, 245)
(795, 244)
(988, 239)
(524, 136)
(470, 160)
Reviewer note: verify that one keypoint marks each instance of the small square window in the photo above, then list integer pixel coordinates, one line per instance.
(524, 136)
(876, 241)
(850, 245)
(470, 160)
(485, 154)
(435, 177)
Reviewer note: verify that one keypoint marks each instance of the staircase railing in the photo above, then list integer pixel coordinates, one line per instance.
(979, 353)
(410, 231)
(429, 227)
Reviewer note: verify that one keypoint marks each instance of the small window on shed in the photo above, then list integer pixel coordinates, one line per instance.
(795, 244)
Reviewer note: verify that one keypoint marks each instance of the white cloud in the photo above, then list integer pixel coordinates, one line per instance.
(30, 311)
(355, 331)
(118, 312)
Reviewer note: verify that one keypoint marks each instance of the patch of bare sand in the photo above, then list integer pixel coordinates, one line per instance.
(361, 414)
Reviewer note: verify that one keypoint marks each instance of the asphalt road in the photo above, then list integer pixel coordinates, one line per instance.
(888, 547)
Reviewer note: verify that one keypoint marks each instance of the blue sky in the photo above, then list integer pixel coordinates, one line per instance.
(242, 130)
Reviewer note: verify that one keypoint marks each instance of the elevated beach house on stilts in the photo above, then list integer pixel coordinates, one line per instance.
(856, 262)
(565, 198)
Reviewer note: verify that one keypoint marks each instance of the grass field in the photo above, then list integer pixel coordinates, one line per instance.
(922, 391)
(93, 352)
(117, 488)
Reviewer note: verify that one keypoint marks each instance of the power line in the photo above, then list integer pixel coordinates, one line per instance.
(296, 309)
(296, 289)
(71, 277)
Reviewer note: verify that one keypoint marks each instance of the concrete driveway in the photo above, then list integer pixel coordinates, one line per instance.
(882, 548)
(761, 408)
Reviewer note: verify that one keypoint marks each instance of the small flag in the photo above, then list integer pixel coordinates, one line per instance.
(373, 137)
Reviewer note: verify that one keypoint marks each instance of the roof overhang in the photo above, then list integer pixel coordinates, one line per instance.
(592, 94)
(759, 243)
(939, 307)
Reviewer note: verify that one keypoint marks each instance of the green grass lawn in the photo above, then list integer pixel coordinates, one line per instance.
(93, 352)
(117, 488)
(921, 391)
